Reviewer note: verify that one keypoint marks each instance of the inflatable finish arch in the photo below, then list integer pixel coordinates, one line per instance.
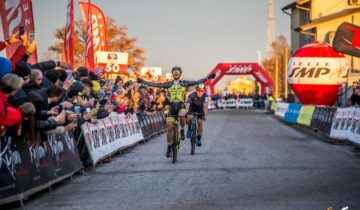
(254, 69)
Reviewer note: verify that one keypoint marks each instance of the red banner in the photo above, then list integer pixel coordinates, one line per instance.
(68, 53)
(96, 31)
(15, 14)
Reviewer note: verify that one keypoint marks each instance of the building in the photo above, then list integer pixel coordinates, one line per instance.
(317, 20)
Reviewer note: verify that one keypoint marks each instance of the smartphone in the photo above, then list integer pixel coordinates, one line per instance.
(31, 36)
(87, 110)
(77, 109)
(69, 73)
(21, 30)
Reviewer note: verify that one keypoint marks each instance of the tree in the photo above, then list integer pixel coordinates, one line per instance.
(279, 53)
(117, 39)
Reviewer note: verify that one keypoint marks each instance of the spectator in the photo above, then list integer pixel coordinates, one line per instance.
(9, 86)
(355, 97)
(23, 70)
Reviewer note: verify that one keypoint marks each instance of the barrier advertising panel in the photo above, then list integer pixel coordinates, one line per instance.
(281, 109)
(292, 113)
(305, 115)
(346, 124)
(322, 119)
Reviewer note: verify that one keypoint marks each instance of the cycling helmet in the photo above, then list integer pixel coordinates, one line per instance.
(176, 68)
(200, 87)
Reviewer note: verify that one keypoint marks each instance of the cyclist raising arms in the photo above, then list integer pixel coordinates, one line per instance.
(177, 89)
(197, 102)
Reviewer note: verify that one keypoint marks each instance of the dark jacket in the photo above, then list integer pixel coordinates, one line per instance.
(355, 100)
(18, 99)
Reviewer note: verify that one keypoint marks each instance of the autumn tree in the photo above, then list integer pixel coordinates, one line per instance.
(279, 54)
(117, 40)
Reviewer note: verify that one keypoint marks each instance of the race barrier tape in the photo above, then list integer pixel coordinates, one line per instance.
(26, 169)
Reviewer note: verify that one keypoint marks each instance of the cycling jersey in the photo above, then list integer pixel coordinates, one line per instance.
(177, 90)
(197, 102)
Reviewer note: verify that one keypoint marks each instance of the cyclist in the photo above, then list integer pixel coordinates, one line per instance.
(197, 102)
(177, 89)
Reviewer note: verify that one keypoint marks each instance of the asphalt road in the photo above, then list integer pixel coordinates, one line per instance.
(248, 160)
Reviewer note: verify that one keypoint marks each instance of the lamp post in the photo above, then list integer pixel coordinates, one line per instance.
(259, 62)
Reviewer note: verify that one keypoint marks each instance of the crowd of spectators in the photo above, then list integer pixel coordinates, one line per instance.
(51, 97)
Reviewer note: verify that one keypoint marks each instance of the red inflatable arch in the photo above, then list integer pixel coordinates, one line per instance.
(254, 69)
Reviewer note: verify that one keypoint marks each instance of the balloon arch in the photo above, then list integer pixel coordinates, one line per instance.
(254, 69)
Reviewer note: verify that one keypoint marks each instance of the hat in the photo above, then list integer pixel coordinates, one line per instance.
(5, 66)
(102, 113)
(82, 72)
(22, 69)
(142, 86)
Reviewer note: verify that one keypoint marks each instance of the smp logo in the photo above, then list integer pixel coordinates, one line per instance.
(112, 56)
(309, 72)
(239, 69)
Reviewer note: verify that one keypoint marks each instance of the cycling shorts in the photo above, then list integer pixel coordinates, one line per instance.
(174, 109)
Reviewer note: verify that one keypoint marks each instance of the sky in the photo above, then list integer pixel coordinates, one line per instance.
(193, 34)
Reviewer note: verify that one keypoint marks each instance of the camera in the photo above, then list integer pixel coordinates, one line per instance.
(60, 108)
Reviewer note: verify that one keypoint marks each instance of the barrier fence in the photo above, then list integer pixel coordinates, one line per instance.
(337, 123)
(26, 169)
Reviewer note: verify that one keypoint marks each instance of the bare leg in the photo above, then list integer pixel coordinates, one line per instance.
(200, 126)
(170, 128)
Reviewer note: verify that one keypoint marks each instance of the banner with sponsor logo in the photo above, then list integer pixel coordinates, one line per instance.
(315, 73)
(244, 103)
(292, 113)
(322, 119)
(112, 62)
(15, 14)
(281, 109)
(346, 124)
(305, 116)
(254, 69)
(26, 169)
(96, 31)
(106, 136)
(69, 47)
(152, 124)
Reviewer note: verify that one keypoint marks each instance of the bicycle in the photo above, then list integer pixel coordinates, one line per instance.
(194, 126)
(176, 142)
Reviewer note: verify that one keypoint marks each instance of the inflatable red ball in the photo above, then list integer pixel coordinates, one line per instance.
(315, 73)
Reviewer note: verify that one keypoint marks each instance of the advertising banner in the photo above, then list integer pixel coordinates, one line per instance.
(152, 124)
(24, 167)
(108, 135)
(244, 103)
(16, 14)
(322, 119)
(69, 47)
(95, 23)
(305, 115)
(346, 124)
(281, 109)
(292, 114)
(112, 62)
